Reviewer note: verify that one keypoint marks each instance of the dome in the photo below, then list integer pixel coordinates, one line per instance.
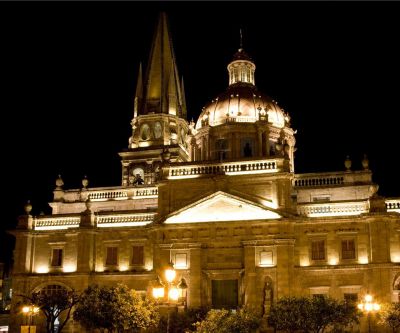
(241, 102)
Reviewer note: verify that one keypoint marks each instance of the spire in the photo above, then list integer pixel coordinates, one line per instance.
(241, 69)
(184, 110)
(162, 89)
(139, 92)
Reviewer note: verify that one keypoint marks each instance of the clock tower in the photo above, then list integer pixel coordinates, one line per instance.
(159, 127)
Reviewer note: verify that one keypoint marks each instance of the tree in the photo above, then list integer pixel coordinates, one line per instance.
(390, 316)
(115, 309)
(288, 314)
(314, 314)
(54, 301)
(225, 321)
(181, 322)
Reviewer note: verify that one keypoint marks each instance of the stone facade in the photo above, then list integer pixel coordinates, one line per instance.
(230, 210)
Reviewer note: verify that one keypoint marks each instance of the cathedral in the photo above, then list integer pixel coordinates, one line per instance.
(217, 198)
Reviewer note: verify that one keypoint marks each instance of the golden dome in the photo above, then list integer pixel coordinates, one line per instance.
(243, 103)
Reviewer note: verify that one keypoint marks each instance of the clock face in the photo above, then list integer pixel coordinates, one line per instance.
(157, 130)
(145, 132)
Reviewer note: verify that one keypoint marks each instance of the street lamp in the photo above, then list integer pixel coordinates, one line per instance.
(29, 311)
(174, 291)
(369, 307)
(182, 287)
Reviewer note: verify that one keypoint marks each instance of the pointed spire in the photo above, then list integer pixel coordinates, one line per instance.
(241, 39)
(162, 88)
(139, 84)
(184, 109)
(139, 92)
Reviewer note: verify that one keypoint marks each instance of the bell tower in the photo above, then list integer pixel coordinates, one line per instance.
(159, 127)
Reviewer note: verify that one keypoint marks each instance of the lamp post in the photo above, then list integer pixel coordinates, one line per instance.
(369, 307)
(30, 311)
(173, 291)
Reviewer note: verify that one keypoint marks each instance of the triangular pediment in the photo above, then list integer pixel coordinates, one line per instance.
(221, 206)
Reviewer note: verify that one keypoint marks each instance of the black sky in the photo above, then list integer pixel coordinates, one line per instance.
(68, 74)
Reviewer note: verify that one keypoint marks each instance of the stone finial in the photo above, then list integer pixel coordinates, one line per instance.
(28, 207)
(287, 120)
(347, 163)
(85, 182)
(59, 183)
(374, 190)
(365, 162)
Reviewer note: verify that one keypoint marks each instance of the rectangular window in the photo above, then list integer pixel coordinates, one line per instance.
(56, 257)
(221, 148)
(112, 256)
(350, 298)
(348, 249)
(318, 250)
(266, 258)
(180, 260)
(137, 255)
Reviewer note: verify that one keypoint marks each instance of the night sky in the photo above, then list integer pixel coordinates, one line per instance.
(68, 75)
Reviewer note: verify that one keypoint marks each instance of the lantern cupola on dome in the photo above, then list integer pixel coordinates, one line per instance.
(241, 69)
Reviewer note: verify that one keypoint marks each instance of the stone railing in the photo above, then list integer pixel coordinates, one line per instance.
(238, 119)
(333, 209)
(108, 194)
(106, 220)
(125, 220)
(145, 192)
(332, 178)
(393, 205)
(54, 223)
(228, 168)
(318, 181)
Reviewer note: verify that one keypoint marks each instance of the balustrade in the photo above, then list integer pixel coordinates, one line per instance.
(51, 223)
(333, 209)
(125, 220)
(224, 168)
(318, 181)
(393, 205)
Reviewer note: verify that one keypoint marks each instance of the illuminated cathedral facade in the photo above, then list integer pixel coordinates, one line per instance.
(220, 200)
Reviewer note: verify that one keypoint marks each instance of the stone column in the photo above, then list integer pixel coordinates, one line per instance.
(260, 144)
(194, 287)
(24, 243)
(250, 282)
(267, 142)
(125, 173)
(86, 241)
(285, 267)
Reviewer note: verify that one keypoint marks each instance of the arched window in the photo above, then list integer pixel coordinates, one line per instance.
(52, 289)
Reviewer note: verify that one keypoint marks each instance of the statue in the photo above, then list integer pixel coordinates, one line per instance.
(138, 180)
(268, 296)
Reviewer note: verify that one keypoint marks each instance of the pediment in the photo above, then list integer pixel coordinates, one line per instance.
(221, 206)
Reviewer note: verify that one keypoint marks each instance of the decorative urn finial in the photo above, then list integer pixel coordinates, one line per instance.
(365, 162)
(59, 183)
(347, 163)
(28, 207)
(85, 182)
